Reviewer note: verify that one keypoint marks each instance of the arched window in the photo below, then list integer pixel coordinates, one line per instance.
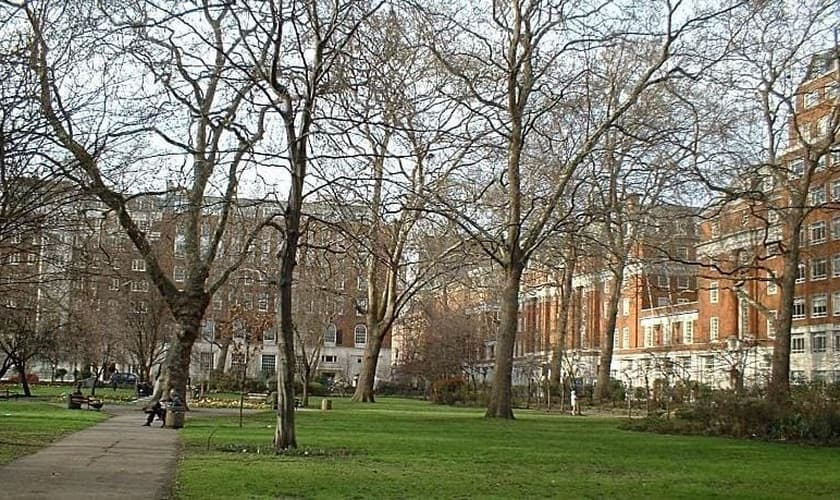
(360, 335)
(330, 335)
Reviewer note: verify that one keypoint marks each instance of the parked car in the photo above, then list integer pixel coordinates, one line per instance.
(124, 379)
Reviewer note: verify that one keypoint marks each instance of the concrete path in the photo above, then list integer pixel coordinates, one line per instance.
(118, 458)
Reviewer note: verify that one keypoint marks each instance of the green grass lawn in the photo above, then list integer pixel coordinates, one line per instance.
(411, 449)
(27, 426)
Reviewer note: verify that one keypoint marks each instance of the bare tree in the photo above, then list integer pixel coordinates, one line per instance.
(768, 159)
(522, 65)
(152, 85)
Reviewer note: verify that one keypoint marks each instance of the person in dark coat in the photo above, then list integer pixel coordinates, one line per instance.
(155, 410)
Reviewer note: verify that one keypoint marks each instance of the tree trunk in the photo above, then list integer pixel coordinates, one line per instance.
(178, 356)
(21, 369)
(284, 434)
(364, 392)
(605, 358)
(563, 322)
(304, 398)
(779, 389)
(500, 404)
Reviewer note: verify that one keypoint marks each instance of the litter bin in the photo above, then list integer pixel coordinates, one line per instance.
(174, 416)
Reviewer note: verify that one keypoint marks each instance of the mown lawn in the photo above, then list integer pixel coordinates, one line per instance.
(411, 449)
(26, 427)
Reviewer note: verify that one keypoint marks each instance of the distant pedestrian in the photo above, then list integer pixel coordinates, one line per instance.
(574, 403)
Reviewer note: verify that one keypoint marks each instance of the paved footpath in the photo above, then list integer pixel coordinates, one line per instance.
(118, 458)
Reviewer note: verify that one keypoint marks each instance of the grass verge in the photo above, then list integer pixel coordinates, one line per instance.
(410, 449)
(26, 427)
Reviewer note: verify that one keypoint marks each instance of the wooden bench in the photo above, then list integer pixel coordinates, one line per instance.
(256, 396)
(76, 402)
(7, 394)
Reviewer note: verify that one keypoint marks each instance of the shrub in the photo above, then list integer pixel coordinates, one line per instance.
(813, 415)
(448, 391)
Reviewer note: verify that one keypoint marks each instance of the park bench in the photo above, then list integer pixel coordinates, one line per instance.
(261, 396)
(7, 394)
(77, 401)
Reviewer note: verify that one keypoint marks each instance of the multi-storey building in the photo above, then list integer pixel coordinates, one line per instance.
(700, 291)
(96, 280)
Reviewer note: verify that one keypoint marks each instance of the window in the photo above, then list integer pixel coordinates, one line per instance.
(262, 302)
(648, 336)
(745, 217)
(768, 183)
(798, 308)
(178, 274)
(835, 304)
(819, 342)
(817, 232)
(140, 307)
(715, 228)
(772, 216)
(115, 284)
(714, 293)
(625, 306)
(682, 300)
(835, 265)
(810, 99)
(361, 283)
(835, 228)
(797, 344)
(819, 306)
(339, 282)
(205, 361)
(771, 323)
(797, 167)
(816, 195)
(819, 269)
(772, 288)
(361, 306)
(803, 236)
(330, 335)
(360, 335)
(836, 341)
(269, 336)
(662, 301)
(217, 302)
(835, 160)
(688, 332)
(329, 358)
(714, 328)
(268, 363)
(180, 245)
(139, 286)
(625, 337)
(683, 282)
(662, 281)
(14, 259)
(615, 340)
(800, 273)
(682, 253)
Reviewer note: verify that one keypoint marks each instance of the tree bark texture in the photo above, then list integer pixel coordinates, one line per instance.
(500, 405)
